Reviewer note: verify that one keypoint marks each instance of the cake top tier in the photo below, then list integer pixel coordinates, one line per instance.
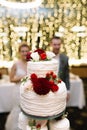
(42, 67)
(41, 62)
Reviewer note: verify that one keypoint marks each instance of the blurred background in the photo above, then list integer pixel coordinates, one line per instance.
(36, 21)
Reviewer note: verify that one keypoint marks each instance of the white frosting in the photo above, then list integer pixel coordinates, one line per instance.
(44, 105)
(62, 124)
(44, 128)
(42, 67)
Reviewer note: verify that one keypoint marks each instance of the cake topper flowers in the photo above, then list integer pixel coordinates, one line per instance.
(42, 86)
(39, 55)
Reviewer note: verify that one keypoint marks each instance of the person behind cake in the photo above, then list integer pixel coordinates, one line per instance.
(63, 72)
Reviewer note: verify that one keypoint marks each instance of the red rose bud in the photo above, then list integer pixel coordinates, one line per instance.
(43, 56)
(51, 73)
(38, 126)
(54, 88)
(54, 76)
(59, 80)
(33, 77)
(51, 82)
(48, 75)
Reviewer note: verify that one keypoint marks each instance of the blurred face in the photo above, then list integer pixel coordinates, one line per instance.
(56, 45)
(23, 52)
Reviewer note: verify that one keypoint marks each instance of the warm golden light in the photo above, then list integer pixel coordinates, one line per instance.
(37, 26)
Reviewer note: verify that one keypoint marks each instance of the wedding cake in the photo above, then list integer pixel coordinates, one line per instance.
(42, 93)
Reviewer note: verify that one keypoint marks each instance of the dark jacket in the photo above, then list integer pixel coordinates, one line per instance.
(64, 70)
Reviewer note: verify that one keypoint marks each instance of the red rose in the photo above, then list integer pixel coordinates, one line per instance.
(43, 56)
(38, 126)
(28, 56)
(33, 77)
(51, 82)
(40, 51)
(48, 76)
(54, 76)
(51, 73)
(54, 88)
(42, 86)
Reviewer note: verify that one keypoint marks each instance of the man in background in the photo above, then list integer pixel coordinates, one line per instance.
(63, 66)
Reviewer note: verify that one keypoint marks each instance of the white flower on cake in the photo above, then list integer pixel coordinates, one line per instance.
(39, 55)
(50, 55)
(26, 85)
(35, 56)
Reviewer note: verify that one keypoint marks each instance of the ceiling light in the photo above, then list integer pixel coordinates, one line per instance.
(20, 29)
(19, 5)
(59, 34)
(81, 34)
(61, 29)
(78, 28)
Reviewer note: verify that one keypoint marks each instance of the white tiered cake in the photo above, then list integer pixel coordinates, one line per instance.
(42, 94)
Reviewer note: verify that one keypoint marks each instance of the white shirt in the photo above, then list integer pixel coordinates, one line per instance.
(57, 57)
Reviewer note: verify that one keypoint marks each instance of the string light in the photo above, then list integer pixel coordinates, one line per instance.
(20, 29)
(33, 25)
(78, 28)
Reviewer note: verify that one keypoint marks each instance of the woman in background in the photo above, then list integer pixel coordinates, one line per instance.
(18, 71)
